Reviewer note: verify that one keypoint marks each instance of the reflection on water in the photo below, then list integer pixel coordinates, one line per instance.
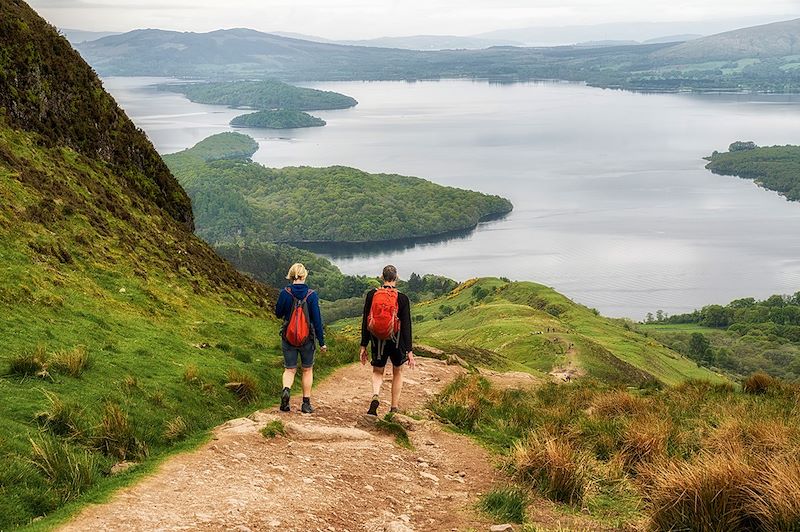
(613, 206)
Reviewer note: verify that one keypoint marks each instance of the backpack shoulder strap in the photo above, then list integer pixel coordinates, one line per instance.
(308, 295)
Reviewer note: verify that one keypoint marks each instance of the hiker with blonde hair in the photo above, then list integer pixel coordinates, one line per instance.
(386, 324)
(298, 306)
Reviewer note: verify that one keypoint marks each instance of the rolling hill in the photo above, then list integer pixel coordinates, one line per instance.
(123, 334)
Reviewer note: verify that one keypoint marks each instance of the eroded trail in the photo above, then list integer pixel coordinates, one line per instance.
(332, 472)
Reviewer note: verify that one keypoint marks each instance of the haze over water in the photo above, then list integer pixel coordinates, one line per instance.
(612, 204)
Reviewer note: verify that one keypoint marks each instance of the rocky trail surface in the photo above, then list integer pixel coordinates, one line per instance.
(332, 471)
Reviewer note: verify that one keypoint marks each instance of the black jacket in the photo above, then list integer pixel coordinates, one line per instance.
(403, 312)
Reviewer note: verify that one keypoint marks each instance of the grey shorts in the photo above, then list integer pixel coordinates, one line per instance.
(291, 353)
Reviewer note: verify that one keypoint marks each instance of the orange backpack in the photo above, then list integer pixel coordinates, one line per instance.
(383, 321)
(297, 330)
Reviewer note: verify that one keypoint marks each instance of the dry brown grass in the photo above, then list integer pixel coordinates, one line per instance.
(617, 403)
(71, 362)
(759, 383)
(774, 497)
(116, 436)
(191, 374)
(645, 440)
(553, 465)
(705, 494)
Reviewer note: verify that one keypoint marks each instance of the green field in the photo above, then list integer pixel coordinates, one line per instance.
(505, 325)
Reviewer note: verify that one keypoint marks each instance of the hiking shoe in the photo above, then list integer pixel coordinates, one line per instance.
(373, 407)
(306, 408)
(394, 410)
(285, 400)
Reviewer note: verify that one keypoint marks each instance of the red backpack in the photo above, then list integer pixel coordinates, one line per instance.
(298, 329)
(383, 321)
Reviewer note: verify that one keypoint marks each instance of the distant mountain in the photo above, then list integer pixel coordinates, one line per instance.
(636, 31)
(79, 36)
(595, 44)
(673, 38)
(413, 42)
(778, 39)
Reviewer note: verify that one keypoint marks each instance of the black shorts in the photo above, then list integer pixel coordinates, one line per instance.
(393, 354)
(291, 353)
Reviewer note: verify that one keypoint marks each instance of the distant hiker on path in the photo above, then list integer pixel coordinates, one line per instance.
(386, 324)
(298, 306)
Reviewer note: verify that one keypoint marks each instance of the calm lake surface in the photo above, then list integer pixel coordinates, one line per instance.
(612, 204)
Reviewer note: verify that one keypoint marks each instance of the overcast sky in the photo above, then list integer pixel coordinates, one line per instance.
(356, 19)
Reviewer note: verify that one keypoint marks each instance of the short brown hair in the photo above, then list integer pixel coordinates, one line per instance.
(389, 273)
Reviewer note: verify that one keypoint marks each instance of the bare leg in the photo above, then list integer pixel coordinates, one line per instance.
(377, 380)
(397, 385)
(308, 380)
(288, 377)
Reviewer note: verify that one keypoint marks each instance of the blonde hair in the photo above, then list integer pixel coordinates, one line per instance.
(297, 272)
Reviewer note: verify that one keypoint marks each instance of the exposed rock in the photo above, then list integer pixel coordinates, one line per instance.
(501, 528)
(429, 476)
(121, 467)
(398, 526)
(455, 360)
(324, 432)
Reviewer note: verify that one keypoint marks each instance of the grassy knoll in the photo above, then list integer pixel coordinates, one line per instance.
(277, 119)
(512, 320)
(237, 200)
(697, 456)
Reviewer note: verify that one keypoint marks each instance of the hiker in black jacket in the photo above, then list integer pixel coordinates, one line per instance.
(383, 307)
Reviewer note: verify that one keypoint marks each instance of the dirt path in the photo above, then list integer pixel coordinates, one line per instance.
(332, 472)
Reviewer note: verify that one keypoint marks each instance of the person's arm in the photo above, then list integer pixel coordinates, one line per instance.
(405, 324)
(316, 318)
(280, 306)
(365, 334)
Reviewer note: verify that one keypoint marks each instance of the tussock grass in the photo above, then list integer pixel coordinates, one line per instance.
(116, 437)
(759, 383)
(175, 429)
(506, 504)
(61, 418)
(243, 385)
(29, 364)
(698, 456)
(69, 470)
(71, 362)
(553, 465)
(191, 374)
(273, 429)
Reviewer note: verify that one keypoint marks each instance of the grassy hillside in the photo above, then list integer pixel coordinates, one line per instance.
(123, 335)
(239, 200)
(772, 167)
(505, 325)
(268, 94)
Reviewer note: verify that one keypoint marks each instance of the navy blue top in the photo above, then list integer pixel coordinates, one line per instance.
(283, 308)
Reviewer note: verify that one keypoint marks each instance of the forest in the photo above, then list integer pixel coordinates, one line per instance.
(775, 168)
(263, 95)
(277, 119)
(238, 200)
(742, 337)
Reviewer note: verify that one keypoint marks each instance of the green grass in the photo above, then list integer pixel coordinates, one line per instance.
(506, 504)
(273, 429)
(393, 428)
(504, 325)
